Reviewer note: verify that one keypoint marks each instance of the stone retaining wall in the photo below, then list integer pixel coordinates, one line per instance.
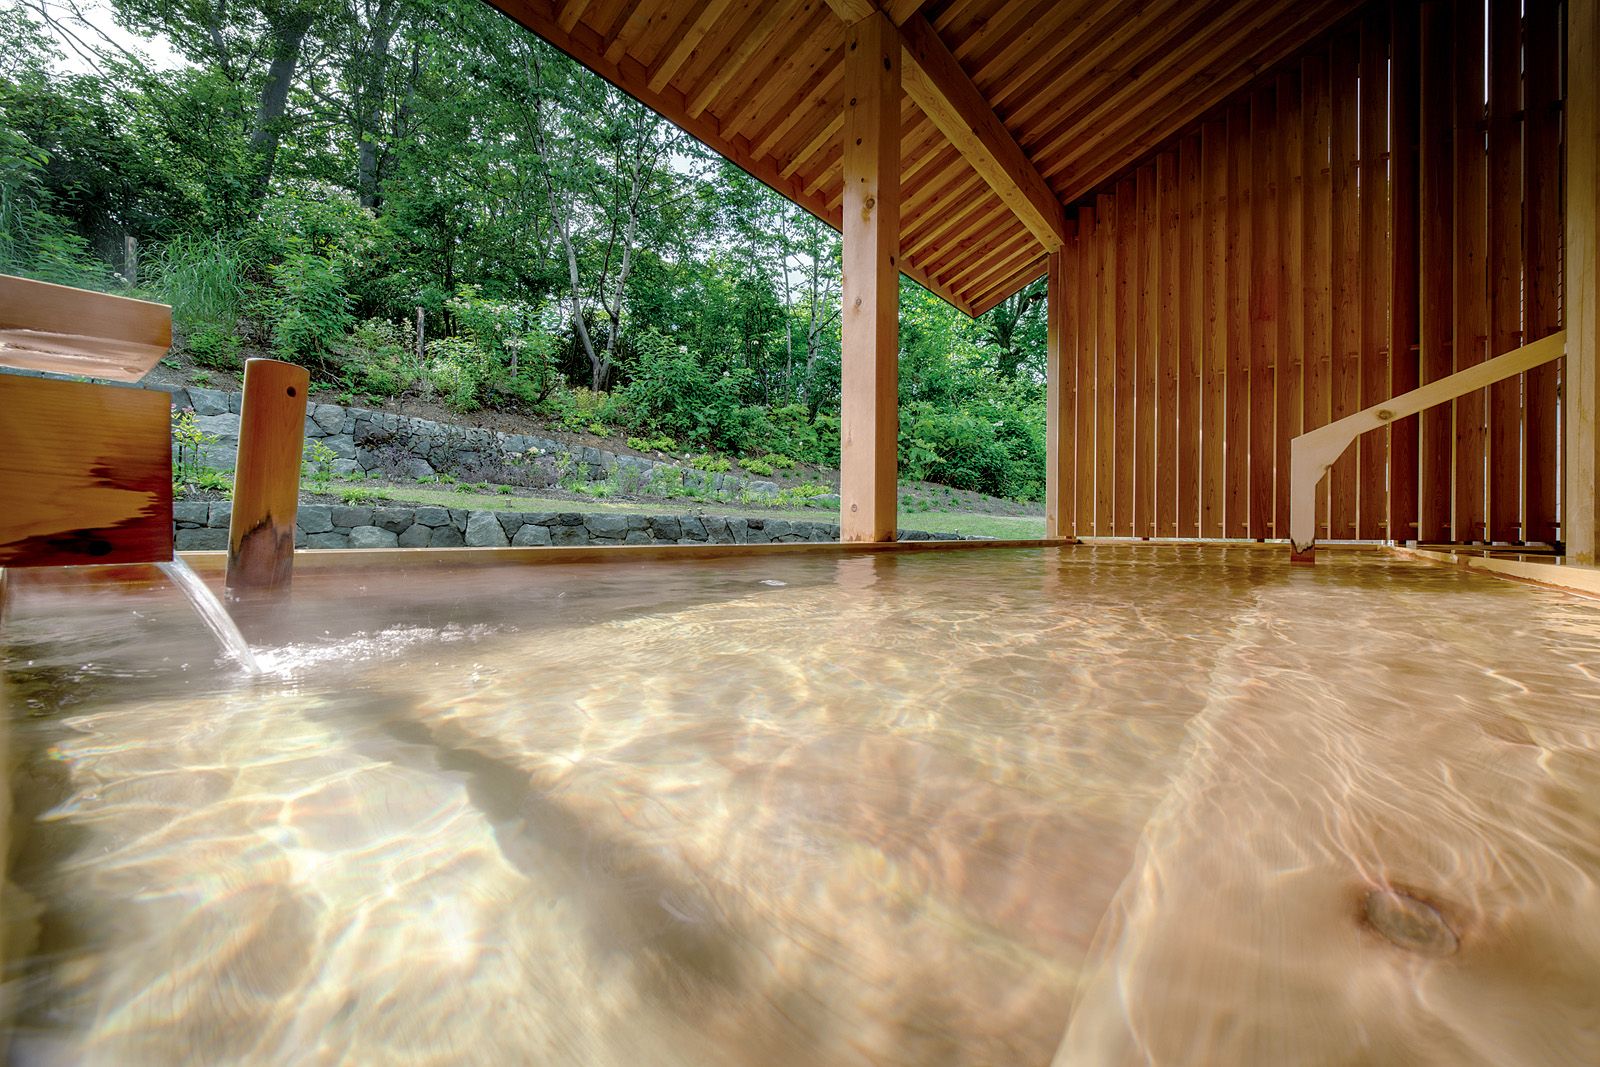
(366, 440)
(202, 525)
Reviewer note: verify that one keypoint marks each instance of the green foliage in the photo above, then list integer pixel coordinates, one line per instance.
(458, 369)
(660, 443)
(358, 495)
(780, 461)
(673, 392)
(316, 468)
(203, 277)
(188, 466)
(378, 360)
(711, 464)
(577, 408)
(307, 306)
(757, 466)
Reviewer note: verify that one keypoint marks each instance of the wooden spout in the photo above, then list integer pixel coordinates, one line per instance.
(266, 479)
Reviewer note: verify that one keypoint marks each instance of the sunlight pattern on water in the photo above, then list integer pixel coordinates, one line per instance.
(1182, 806)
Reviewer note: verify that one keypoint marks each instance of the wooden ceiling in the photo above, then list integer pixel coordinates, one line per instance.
(1010, 110)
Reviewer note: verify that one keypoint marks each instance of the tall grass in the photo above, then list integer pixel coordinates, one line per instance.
(203, 278)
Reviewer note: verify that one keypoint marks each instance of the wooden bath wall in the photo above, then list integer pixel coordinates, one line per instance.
(85, 473)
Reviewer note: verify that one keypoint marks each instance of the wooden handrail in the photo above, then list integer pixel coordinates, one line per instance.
(1311, 454)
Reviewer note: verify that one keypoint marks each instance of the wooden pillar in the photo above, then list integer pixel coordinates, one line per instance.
(266, 478)
(870, 327)
(1060, 398)
(1581, 521)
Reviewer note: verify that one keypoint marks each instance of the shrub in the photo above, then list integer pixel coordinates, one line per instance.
(757, 466)
(671, 391)
(780, 461)
(358, 496)
(378, 359)
(203, 277)
(649, 444)
(308, 307)
(316, 466)
(458, 368)
(214, 345)
(711, 464)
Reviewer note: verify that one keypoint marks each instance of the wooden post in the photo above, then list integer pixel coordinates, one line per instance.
(870, 328)
(266, 478)
(1060, 396)
(1581, 522)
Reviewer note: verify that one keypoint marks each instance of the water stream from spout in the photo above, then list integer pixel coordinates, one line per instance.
(211, 612)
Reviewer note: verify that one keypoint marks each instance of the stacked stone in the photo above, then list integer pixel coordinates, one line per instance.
(202, 525)
(356, 436)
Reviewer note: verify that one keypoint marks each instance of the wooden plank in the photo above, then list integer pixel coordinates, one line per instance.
(1372, 452)
(1105, 363)
(1346, 222)
(935, 80)
(1191, 333)
(1126, 312)
(1214, 169)
(1087, 305)
(1145, 310)
(63, 330)
(1435, 170)
(1470, 298)
(86, 473)
(869, 431)
(1541, 231)
(1580, 527)
(1316, 113)
(1060, 402)
(1236, 428)
(1169, 214)
(1264, 298)
(1505, 265)
(266, 479)
(737, 53)
(1291, 291)
(1404, 352)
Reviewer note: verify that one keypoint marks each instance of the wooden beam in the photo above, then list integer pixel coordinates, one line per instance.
(869, 434)
(1345, 381)
(1471, 296)
(1236, 393)
(266, 479)
(1372, 452)
(900, 10)
(1191, 333)
(1106, 222)
(935, 81)
(1264, 298)
(1060, 400)
(711, 14)
(1435, 269)
(1405, 89)
(1541, 233)
(1126, 311)
(1291, 291)
(1581, 520)
(1147, 342)
(1316, 116)
(1169, 219)
(1214, 338)
(1505, 266)
(1087, 317)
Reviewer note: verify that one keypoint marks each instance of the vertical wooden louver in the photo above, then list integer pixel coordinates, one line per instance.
(1383, 212)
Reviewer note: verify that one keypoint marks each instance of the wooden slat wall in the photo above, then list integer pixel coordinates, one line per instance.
(1381, 212)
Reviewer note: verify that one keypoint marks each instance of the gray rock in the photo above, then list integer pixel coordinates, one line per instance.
(568, 535)
(225, 427)
(415, 467)
(539, 518)
(638, 537)
(415, 536)
(236, 403)
(328, 540)
(219, 514)
(299, 538)
(351, 517)
(762, 488)
(693, 528)
(739, 530)
(716, 529)
(314, 518)
(209, 402)
(826, 500)
(778, 528)
(328, 417)
(447, 537)
(433, 517)
(607, 527)
(342, 447)
(666, 527)
(484, 531)
(179, 395)
(394, 520)
(345, 466)
(531, 535)
(373, 537)
(459, 517)
(200, 540)
(190, 511)
(568, 518)
(510, 522)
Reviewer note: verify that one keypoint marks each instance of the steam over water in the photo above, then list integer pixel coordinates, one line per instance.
(1082, 806)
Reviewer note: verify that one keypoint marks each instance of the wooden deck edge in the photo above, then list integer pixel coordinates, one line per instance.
(333, 559)
(1550, 572)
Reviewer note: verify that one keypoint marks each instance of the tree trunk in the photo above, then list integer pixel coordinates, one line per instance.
(287, 38)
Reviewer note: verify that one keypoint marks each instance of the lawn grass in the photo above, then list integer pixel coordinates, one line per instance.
(956, 522)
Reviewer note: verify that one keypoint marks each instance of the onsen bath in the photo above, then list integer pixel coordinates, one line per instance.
(1107, 804)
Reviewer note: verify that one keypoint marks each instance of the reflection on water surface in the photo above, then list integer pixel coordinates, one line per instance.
(1102, 805)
